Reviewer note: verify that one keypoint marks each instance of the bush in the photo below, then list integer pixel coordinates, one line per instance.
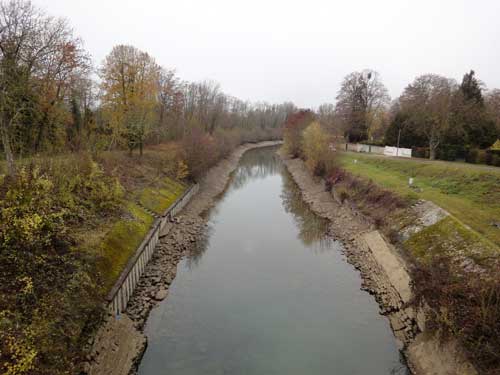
(495, 159)
(463, 306)
(226, 142)
(48, 291)
(372, 200)
(420, 152)
(199, 152)
(294, 127)
(450, 152)
(315, 149)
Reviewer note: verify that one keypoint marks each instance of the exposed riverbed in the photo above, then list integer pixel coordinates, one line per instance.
(267, 292)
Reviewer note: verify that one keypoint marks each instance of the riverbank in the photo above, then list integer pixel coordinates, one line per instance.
(120, 343)
(384, 272)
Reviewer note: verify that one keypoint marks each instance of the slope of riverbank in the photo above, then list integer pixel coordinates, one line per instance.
(120, 340)
(385, 274)
(469, 192)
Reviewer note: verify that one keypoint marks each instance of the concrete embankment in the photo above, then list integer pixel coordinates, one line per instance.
(385, 274)
(119, 344)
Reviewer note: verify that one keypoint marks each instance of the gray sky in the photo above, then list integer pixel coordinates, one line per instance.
(277, 50)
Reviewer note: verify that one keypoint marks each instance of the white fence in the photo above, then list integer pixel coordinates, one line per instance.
(394, 151)
(387, 150)
(121, 292)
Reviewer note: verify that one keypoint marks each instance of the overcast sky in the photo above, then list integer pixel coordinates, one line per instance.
(285, 50)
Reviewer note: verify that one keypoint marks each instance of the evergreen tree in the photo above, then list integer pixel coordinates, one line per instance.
(471, 88)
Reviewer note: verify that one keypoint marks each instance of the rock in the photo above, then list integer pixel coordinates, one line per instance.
(161, 294)
(86, 368)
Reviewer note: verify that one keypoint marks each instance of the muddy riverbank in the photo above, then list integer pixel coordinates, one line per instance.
(119, 344)
(384, 273)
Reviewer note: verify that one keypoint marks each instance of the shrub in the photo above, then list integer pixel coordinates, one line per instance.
(450, 152)
(420, 152)
(315, 149)
(47, 294)
(226, 141)
(464, 306)
(292, 133)
(199, 152)
(374, 201)
(495, 159)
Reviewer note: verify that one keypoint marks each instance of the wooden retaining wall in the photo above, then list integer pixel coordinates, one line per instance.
(121, 292)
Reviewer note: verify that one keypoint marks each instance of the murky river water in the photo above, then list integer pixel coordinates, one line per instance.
(267, 293)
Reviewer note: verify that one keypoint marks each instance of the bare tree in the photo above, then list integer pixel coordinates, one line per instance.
(327, 118)
(428, 102)
(361, 95)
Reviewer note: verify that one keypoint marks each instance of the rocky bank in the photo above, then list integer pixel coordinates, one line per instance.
(119, 344)
(384, 272)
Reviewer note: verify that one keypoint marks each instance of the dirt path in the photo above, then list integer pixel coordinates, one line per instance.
(120, 343)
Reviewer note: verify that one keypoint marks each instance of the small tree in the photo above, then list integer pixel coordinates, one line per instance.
(315, 147)
(294, 126)
(130, 91)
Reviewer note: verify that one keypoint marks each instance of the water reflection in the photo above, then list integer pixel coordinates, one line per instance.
(312, 228)
(253, 299)
(256, 164)
(260, 164)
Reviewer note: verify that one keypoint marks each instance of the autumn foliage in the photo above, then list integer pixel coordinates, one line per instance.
(292, 133)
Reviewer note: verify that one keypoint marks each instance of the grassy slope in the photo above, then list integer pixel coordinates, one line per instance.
(469, 193)
(158, 198)
(125, 234)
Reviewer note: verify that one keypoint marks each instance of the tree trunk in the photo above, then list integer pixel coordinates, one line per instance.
(433, 145)
(432, 153)
(9, 156)
(432, 150)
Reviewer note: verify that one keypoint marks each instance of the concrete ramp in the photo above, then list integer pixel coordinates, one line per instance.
(390, 262)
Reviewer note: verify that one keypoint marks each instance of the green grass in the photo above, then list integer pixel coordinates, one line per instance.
(469, 193)
(160, 197)
(450, 237)
(120, 243)
(126, 234)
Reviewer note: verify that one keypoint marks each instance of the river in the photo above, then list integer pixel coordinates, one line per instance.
(267, 292)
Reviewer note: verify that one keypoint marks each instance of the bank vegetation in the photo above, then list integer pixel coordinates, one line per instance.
(455, 270)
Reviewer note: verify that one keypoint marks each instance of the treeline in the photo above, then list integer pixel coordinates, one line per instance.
(51, 103)
(435, 115)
